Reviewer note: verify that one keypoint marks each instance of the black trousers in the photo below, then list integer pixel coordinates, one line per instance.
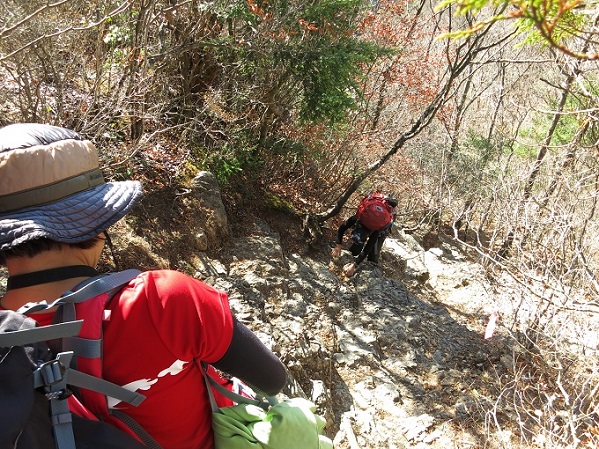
(373, 256)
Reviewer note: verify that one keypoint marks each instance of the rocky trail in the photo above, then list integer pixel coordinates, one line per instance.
(394, 357)
(388, 367)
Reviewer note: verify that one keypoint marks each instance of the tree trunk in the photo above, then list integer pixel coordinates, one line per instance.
(465, 54)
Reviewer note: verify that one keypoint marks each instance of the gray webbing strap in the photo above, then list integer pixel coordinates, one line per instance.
(56, 385)
(106, 283)
(36, 334)
(55, 372)
(150, 443)
(83, 347)
(97, 286)
(206, 376)
(237, 398)
(82, 380)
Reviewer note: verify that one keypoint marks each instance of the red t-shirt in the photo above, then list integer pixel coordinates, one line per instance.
(159, 326)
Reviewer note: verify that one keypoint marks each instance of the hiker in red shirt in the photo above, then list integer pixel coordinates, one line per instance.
(371, 224)
(55, 208)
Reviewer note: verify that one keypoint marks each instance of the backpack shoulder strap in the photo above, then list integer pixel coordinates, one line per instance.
(36, 334)
(238, 398)
(56, 374)
(94, 286)
(104, 283)
(44, 374)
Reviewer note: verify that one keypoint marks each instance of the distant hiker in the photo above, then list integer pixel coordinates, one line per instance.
(55, 208)
(370, 225)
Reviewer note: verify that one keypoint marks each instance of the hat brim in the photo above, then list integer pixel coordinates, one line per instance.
(73, 219)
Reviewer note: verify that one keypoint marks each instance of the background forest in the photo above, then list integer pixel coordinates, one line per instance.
(484, 128)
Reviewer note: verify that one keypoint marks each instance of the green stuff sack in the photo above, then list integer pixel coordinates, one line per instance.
(291, 424)
(233, 426)
(264, 423)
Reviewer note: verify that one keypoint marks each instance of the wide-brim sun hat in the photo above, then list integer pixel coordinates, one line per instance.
(51, 186)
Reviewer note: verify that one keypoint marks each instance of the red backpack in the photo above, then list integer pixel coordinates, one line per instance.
(374, 212)
(47, 415)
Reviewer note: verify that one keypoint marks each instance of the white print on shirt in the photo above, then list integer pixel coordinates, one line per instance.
(146, 384)
(174, 369)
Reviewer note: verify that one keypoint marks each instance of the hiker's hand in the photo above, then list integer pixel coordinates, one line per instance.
(350, 269)
(336, 251)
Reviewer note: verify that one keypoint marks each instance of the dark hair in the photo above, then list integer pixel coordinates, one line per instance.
(34, 247)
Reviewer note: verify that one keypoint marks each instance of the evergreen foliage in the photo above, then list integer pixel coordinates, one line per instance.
(561, 24)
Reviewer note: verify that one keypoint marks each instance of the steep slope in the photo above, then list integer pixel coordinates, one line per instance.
(394, 357)
(387, 367)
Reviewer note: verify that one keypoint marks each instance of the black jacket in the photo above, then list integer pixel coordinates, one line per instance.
(361, 233)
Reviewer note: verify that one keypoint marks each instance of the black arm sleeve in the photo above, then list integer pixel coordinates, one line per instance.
(368, 247)
(248, 359)
(351, 221)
